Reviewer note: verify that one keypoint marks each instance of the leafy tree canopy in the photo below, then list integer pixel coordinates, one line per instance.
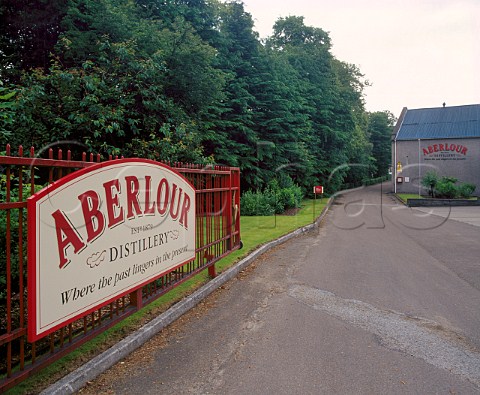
(188, 80)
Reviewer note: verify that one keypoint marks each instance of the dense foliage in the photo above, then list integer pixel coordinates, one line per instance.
(188, 80)
(446, 187)
(278, 197)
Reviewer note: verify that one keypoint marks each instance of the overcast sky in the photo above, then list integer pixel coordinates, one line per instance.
(415, 53)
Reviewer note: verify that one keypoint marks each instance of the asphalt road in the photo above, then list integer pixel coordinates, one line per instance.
(469, 215)
(381, 299)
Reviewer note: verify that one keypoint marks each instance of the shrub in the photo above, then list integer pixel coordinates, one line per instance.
(466, 190)
(446, 188)
(257, 203)
(430, 180)
(273, 200)
(14, 232)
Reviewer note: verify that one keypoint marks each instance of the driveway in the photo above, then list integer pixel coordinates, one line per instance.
(381, 299)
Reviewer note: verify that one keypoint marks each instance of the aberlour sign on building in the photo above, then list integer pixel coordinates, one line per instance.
(442, 139)
(102, 232)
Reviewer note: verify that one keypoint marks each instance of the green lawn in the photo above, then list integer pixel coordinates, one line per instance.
(404, 196)
(255, 231)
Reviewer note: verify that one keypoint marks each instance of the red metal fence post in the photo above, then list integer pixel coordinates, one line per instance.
(212, 272)
(136, 299)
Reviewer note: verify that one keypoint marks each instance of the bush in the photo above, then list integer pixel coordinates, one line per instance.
(274, 200)
(430, 180)
(286, 199)
(14, 232)
(446, 188)
(257, 203)
(466, 190)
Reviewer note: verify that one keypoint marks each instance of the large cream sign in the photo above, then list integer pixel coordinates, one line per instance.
(102, 232)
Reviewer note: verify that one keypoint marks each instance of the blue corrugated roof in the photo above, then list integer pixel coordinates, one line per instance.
(440, 123)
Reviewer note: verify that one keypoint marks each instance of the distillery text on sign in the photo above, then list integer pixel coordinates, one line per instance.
(101, 233)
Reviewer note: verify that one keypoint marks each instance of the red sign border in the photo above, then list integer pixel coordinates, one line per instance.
(32, 334)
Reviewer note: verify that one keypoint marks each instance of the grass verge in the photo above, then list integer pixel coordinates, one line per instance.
(404, 196)
(255, 231)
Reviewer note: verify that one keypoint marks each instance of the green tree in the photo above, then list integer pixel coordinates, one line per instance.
(185, 80)
(352, 120)
(292, 32)
(114, 90)
(430, 181)
(282, 123)
(380, 128)
(334, 104)
(232, 139)
(7, 113)
(191, 79)
(30, 30)
(87, 25)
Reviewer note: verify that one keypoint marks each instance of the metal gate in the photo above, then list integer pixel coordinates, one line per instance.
(217, 234)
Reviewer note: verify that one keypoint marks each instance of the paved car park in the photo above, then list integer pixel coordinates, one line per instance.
(469, 215)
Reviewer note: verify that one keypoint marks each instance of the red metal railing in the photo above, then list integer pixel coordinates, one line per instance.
(218, 234)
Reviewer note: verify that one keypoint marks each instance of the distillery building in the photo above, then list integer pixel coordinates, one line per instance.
(444, 139)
